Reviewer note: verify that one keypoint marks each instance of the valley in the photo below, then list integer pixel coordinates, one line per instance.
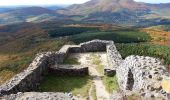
(44, 36)
(28, 39)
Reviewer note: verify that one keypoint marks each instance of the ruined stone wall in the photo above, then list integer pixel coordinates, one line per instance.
(142, 74)
(29, 79)
(83, 71)
(38, 96)
(135, 73)
(91, 46)
(113, 58)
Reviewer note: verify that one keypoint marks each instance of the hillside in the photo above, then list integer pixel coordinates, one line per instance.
(19, 43)
(28, 14)
(159, 34)
(123, 12)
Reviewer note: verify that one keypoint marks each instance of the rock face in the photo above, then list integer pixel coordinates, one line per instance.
(142, 74)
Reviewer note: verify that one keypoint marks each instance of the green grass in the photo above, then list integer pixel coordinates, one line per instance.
(76, 85)
(71, 61)
(110, 83)
(67, 31)
(94, 92)
(116, 36)
(97, 61)
(152, 50)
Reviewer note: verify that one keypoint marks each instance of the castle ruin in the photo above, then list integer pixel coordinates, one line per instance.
(139, 74)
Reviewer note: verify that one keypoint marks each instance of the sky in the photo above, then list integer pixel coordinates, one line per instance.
(49, 2)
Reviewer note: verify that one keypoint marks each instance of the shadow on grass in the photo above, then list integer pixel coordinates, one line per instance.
(75, 84)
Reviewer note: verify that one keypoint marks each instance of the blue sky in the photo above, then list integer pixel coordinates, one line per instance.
(45, 2)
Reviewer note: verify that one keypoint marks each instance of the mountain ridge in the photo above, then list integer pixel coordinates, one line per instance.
(120, 12)
(111, 5)
(28, 14)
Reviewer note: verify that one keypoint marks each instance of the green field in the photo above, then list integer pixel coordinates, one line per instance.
(116, 36)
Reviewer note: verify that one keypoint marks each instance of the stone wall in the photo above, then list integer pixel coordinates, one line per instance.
(91, 46)
(38, 96)
(114, 59)
(71, 70)
(142, 74)
(135, 73)
(30, 78)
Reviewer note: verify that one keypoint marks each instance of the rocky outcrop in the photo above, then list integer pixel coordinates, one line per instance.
(142, 74)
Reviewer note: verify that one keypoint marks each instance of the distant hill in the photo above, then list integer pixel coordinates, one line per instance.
(117, 12)
(55, 7)
(4, 9)
(126, 12)
(28, 14)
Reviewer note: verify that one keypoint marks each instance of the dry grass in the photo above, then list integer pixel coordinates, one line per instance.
(4, 58)
(5, 75)
(158, 36)
(100, 26)
(134, 97)
(94, 92)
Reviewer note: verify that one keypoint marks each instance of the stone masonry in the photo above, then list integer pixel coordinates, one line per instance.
(143, 75)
